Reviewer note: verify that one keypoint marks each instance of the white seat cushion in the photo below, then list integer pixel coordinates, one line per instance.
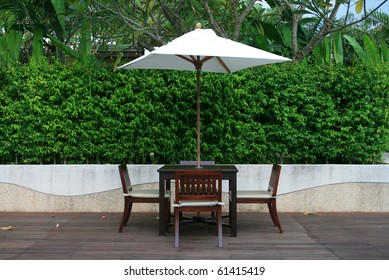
(147, 193)
(198, 203)
(253, 194)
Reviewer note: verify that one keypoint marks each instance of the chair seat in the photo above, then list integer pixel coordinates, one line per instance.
(198, 203)
(253, 194)
(147, 193)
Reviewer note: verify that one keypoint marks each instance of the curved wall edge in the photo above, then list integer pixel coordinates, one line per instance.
(74, 180)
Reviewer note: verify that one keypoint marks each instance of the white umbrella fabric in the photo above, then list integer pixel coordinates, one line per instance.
(203, 50)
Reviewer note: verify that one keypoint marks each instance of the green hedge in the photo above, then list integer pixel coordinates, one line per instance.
(279, 113)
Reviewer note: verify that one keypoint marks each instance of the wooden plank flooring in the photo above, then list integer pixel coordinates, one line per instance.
(94, 236)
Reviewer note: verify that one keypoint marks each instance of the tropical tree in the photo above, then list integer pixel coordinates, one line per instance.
(83, 29)
(155, 23)
(319, 17)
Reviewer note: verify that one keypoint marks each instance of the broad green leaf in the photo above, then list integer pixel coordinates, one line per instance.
(308, 20)
(384, 51)
(357, 48)
(15, 40)
(85, 42)
(37, 46)
(287, 35)
(338, 48)
(327, 50)
(3, 49)
(59, 6)
(63, 47)
(318, 53)
(268, 30)
(371, 50)
(10, 44)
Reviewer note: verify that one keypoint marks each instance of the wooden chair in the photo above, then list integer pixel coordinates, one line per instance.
(262, 196)
(132, 195)
(198, 191)
(202, 163)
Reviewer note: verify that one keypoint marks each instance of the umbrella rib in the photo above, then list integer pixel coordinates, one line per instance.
(185, 58)
(224, 65)
(193, 60)
(196, 62)
(206, 58)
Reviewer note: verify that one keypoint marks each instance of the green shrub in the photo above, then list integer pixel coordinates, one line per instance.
(279, 113)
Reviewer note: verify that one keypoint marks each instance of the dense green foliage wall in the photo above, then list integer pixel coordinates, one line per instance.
(278, 113)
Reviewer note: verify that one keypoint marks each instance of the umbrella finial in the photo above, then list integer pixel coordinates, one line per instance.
(198, 25)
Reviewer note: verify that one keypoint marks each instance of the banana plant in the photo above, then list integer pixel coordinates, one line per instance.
(37, 44)
(384, 51)
(322, 52)
(81, 30)
(330, 50)
(48, 19)
(10, 40)
(59, 7)
(372, 54)
(10, 45)
(338, 48)
(35, 17)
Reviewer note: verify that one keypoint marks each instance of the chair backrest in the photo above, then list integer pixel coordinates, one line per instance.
(274, 178)
(125, 178)
(198, 185)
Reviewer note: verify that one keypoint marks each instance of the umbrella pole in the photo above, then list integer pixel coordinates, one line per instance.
(198, 115)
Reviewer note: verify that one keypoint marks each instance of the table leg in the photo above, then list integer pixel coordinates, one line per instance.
(162, 205)
(233, 207)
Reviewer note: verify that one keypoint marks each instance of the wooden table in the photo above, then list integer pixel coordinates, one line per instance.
(167, 174)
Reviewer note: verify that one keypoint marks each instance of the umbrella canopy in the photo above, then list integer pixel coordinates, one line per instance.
(203, 50)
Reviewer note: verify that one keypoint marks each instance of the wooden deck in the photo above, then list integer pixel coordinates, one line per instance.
(94, 236)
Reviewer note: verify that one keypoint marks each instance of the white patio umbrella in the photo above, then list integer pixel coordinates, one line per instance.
(203, 50)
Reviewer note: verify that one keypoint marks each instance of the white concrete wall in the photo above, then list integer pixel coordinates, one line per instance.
(96, 188)
(385, 157)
